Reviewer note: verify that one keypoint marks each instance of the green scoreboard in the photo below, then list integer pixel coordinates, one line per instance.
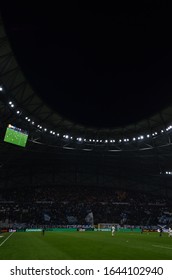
(16, 136)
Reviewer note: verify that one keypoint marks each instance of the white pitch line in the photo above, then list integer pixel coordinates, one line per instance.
(6, 239)
(170, 248)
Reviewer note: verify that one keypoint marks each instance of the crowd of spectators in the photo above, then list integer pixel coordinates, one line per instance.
(54, 205)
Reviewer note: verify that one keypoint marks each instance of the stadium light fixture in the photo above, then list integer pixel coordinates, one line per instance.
(65, 136)
(168, 128)
(1, 88)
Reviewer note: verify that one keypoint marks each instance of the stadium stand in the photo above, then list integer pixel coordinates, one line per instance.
(52, 206)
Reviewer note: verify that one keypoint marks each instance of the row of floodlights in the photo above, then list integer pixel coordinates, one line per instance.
(79, 139)
(166, 172)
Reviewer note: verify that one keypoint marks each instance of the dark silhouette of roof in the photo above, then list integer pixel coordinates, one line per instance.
(139, 101)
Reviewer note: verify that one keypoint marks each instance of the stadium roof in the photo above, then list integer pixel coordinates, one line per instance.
(140, 152)
(126, 108)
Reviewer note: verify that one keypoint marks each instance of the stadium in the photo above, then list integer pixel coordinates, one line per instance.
(66, 181)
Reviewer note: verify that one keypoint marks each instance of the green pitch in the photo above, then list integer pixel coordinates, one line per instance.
(85, 246)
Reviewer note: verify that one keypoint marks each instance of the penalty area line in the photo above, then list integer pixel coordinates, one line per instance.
(6, 239)
(163, 247)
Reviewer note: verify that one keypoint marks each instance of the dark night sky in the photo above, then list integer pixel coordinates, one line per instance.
(98, 65)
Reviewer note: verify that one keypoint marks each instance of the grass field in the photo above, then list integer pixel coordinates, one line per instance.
(85, 246)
